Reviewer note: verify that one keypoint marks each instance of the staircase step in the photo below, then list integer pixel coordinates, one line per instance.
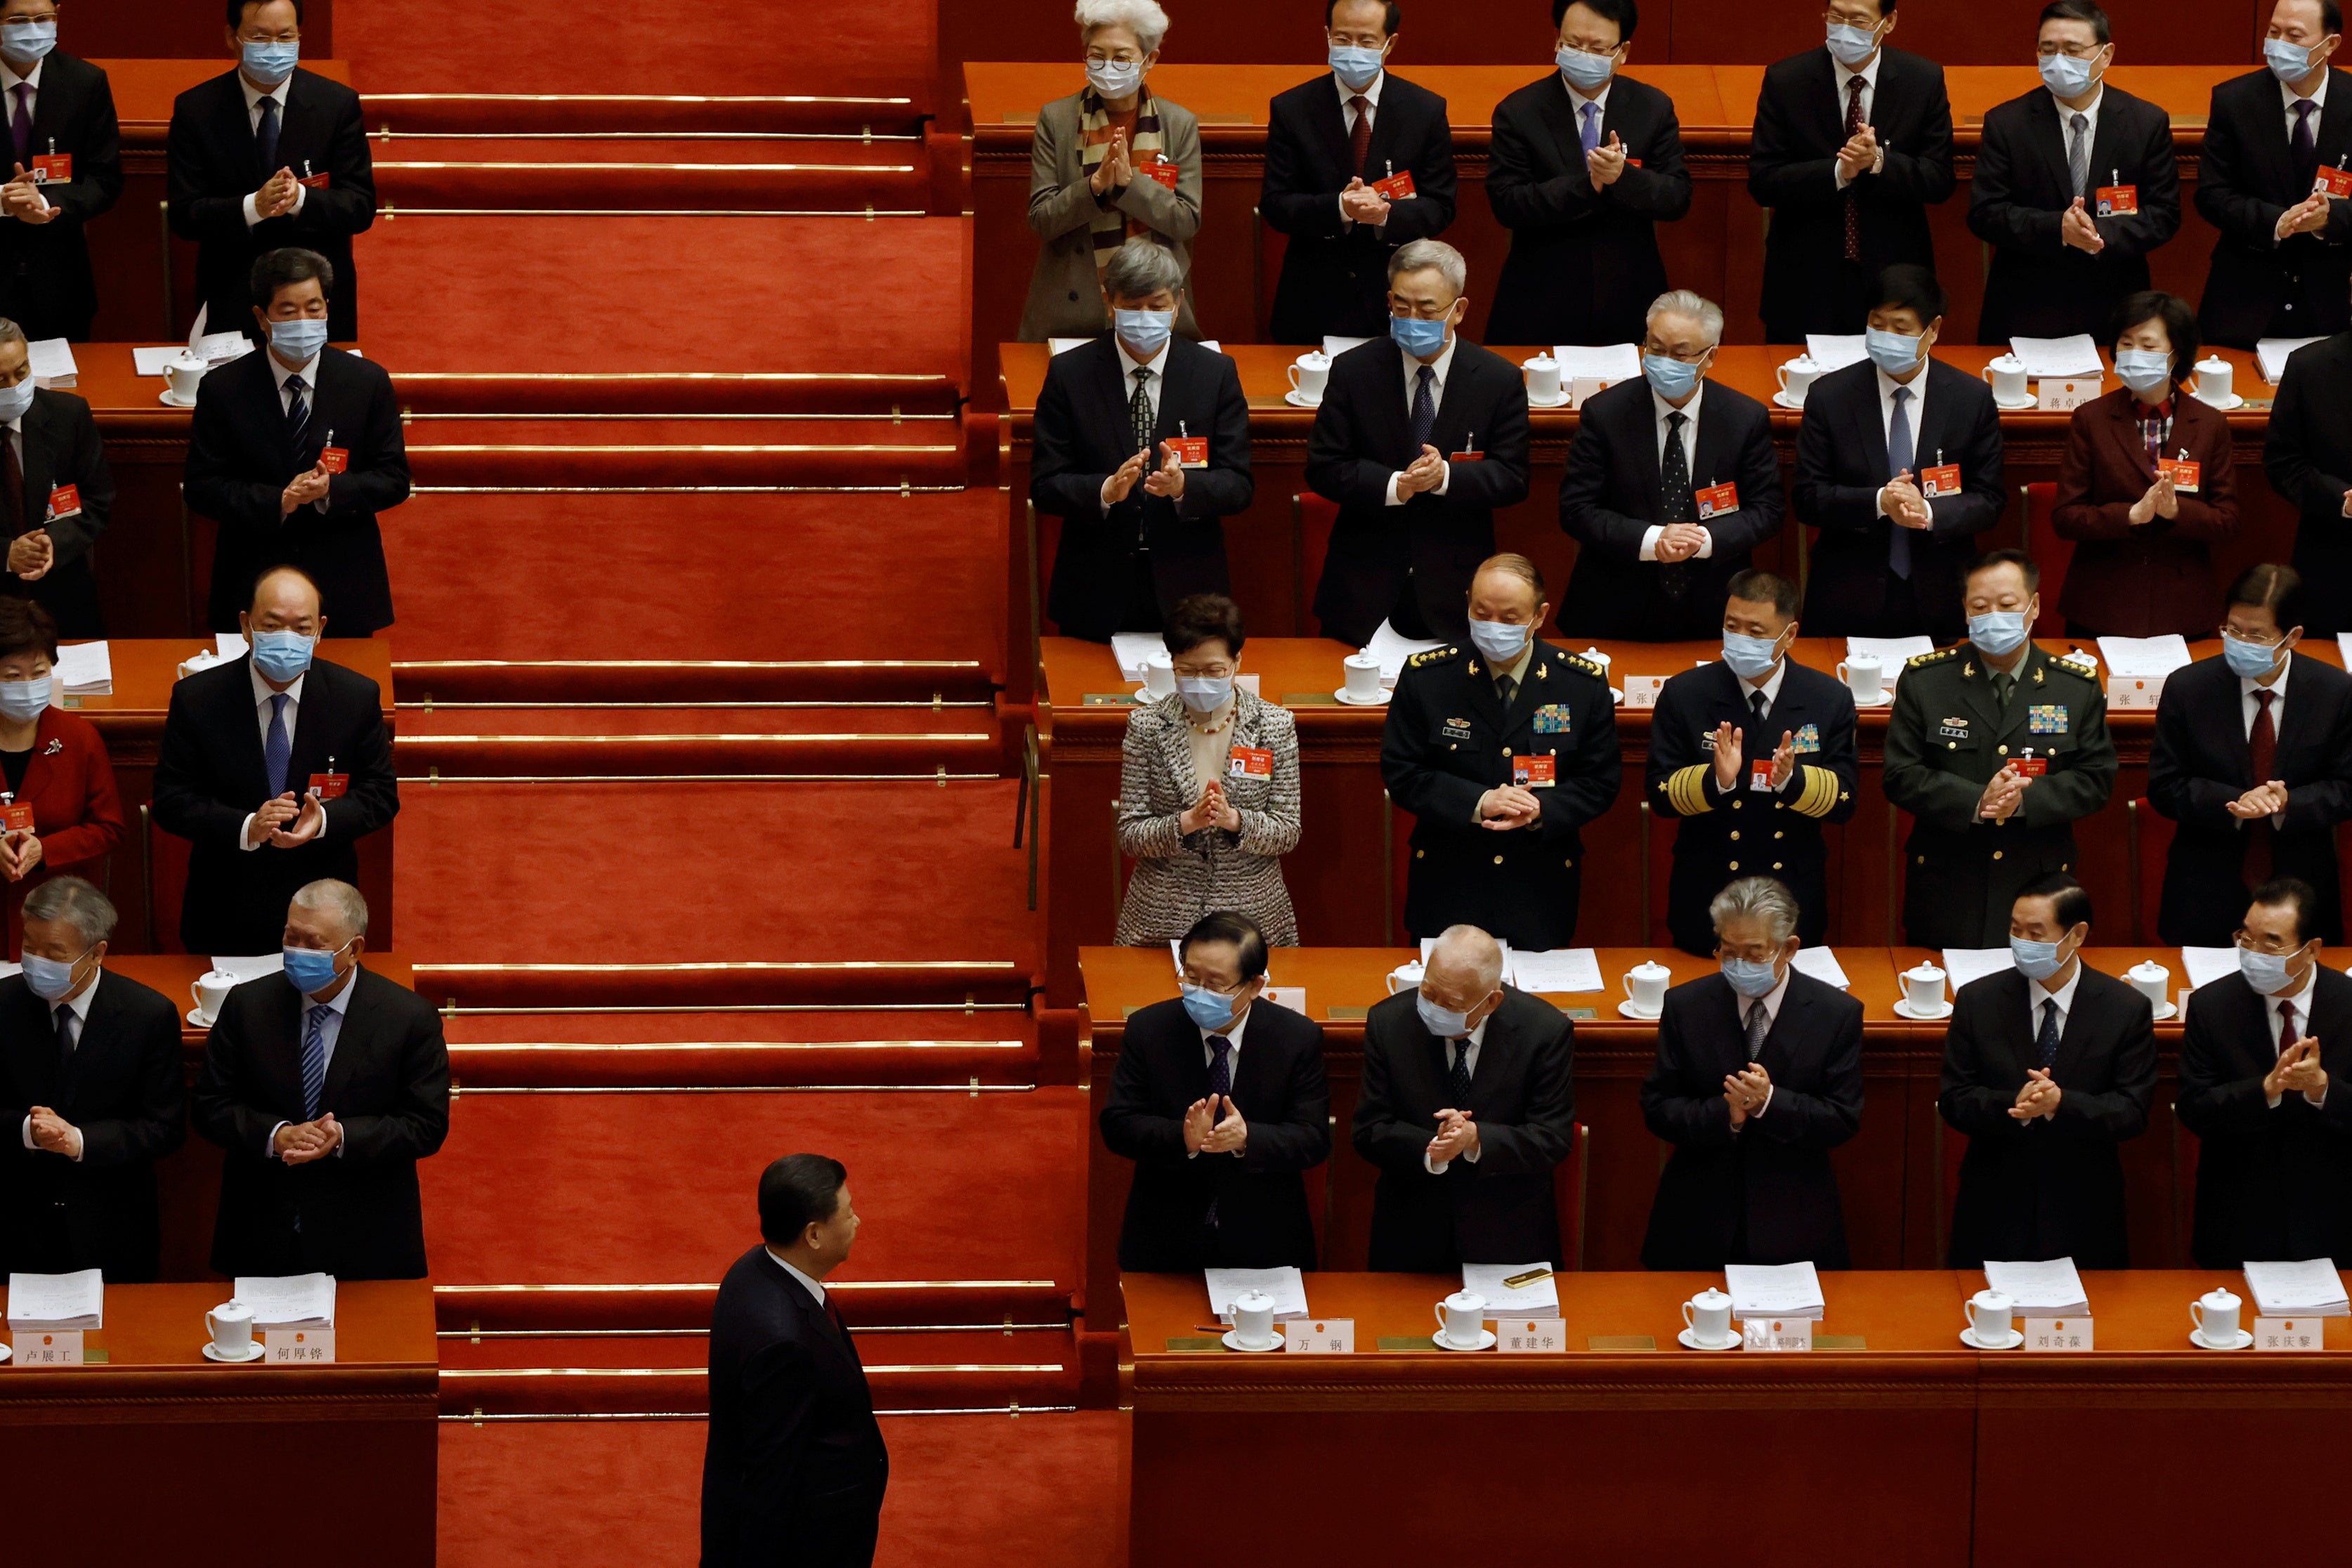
(690, 716)
(957, 681)
(485, 1067)
(584, 1391)
(948, 753)
(651, 173)
(934, 983)
(558, 1309)
(640, 394)
(431, 113)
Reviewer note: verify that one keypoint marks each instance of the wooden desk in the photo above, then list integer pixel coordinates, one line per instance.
(160, 1456)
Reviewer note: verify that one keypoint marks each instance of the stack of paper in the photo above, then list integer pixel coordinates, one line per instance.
(1335, 347)
(1612, 363)
(52, 361)
(57, 1302)
(1558, 969)
(2272, 353)
(1966, 963)
(1774, 1290)
(1134, 650)
(289, 1300)
(1286, 1286)
(86, 668)
(2311, 1289)
(2058, 358)
(1892, 653)
(2206, 964)
(1820, 964)
(2343, 647)
(1538, 1298)
(1392, 648)
(252, 968)
(2150, 658)
(1835, 351)
(220, 347)
(2049, 1289)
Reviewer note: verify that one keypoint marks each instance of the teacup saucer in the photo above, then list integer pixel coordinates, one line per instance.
(254, 1352)
(1352, 700)
(1884, 699)
(2235, 401)
(1903, 1009)
(1486, 1341)
(1296, 401)
(2197, 1337)
(1562, 401)
(1785, 401)
(7, 1355)
(171, 401)
(2166, 1010)
(198, 1021)
(1627, 1010)
(1690, 1342)
(2018, 406)
(1233, 1340)
(1969, 1338)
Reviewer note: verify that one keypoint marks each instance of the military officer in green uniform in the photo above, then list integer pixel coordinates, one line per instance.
(1502, 750)
(1997, 748)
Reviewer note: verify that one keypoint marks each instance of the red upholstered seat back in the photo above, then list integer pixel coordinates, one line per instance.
(1316, 518)
(2050, 552)
(2151, 842)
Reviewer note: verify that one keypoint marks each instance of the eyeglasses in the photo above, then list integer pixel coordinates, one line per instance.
(2273, 944)
(2234, 634)
(2072, 51)
(1204, 671)
(1693, 357)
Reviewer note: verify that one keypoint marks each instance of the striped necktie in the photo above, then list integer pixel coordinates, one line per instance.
(314, 1061)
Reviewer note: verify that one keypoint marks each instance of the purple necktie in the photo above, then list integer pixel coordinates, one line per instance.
(20, 127)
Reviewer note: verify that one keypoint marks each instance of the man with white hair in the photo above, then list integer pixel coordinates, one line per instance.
(1421, 436)
(1671, 482)
(1142, 444)
(323, 1086)
(1468, 1107)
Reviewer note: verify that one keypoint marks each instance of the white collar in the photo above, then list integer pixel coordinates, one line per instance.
(1576, 99)
(811, 1285)
(1868, 73)
(1660, 407)
(1772, 998)
(341, 1001)
(2036, 993)
(1234, 1035)
(2301, 998)
(1157, 365)
(1916, 386)
(254, 95)
(31, 78)
(1771, 687)
(2090, 112)
(1440, 364)
(1371, 94)
(307, 369)
(79, 1004)
(2290, 98)
(262, 692)
(2277, 689)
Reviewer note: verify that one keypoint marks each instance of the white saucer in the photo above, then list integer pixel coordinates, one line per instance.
(2235, 402)
(1627, 1010)
(2197, 1337)
(7, 1355)
(1688, 1342)
(1886, 699)
(171, 402)
(1903, 1010)
(1486, 1341)
(1233, 1340)
(1562, 401)
(2166, 1010)
(196, 1020)
(1352, 700)
(1785, 401)
(1296, 401)
(2020, 406)
(1969, 1338)
(212, 1355)
(1617, 695)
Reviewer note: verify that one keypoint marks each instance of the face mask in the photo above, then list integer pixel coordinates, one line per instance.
(1669, 378)
(1115, 79)
(1445, 1025)
(282, 656)
(270, 63)
(1998, 632)
(2266, 971)
(1357, 67)
(1421, 339)
(2247, 660)
(2145, 370)
(1204, 696)
(1144, 329)
(2035, 960)
(300, 339)
(1588, 73)
(1751, 658)
(23, 699)
(27, 40)
(50, 979)
(1498, 640)
(1208, 1009)
(310, 970)
(1750, 978)
(1851, 46)
(1892, 351)
(2066, 76)
(14, 400)
(2288, 62)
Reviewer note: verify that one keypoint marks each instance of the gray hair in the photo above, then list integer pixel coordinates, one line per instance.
(1146, 20)
(1765, 899)
(69, 899)
(10, 333)
(340, 900)
(1683, 302)
(1140, 268)
(1422, 254)
(1466, 947)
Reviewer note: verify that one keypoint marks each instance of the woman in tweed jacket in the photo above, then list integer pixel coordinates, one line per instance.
(1213, 842)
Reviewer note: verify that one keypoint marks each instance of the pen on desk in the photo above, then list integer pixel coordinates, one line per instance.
(1520, 1281)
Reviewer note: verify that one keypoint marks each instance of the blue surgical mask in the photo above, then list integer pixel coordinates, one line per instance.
(1998, 632)
(27, 40)
(2145, 370)
(14, 400)
(282, 656)
(1585, 71)
(49, 978)
(1499, 641)
(1751, 658)
(310, 970)
(1357, 67)
(2288, 62)
(1421, 339)
(298, 339)
(1669, 378)
(1144, 331)
(1751, 977)
(1444, 1024)
(2247, 660)
(270, 62)
(1115, 79)
(1207, 1008)
(23, 699)
(1202, 695)
(2035, 960)
(2065, 76)
(1851, 46)
(1892, 351)
(2266, 971)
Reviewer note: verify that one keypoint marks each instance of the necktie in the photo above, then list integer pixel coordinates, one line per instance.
(2155, 427)
(833, 1314)
(265, 136)
(1138, 410)
(67, 1033)
(1591, 135)
(2262, 748)
(1675, 502)
(1424, 408)
(1757, 705)
(1853, 210)
(1508, 690)
(2002, 687)
(1760, 1024)
(1457, 1082)
(2046, 1043)
(12, 479)
(2304, 145)
(2287, 1035)
(278, 749)
(1221, 1081)
(314, 1061)
(1361, 139)
(298, 417)
(20, 126)
(2078, 153)
(1899, 459)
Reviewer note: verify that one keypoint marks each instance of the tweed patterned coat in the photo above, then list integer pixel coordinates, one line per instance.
(1180, 877)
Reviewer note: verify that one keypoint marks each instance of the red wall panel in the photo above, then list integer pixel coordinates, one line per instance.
(170, 29)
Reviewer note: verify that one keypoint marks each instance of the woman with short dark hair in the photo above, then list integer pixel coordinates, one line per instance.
(53, 765)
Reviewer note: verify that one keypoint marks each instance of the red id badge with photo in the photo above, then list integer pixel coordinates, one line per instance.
(17, 818)
(2180, 472)
(1466, 457)
(1539, 771)
(2337, 183)
(1162, 170)
(2116, 201)
(65, 500)
(1250, 762)
(53, 169)
(1715, 498)
(315, 181)
(330, 786)
(1759, 774)
(334, 460)
(1396, 187)
(1942, 480)
(1192, 451)
(2029, 767)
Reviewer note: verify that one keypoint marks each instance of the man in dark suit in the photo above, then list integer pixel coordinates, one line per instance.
(90, 1097)
(1585, 165)
(2283, 260)
(273, 766)
(1468, 1104)
(294, 450)
(266, 157)
(2308, 457)
(1891, 556)
(1420, 438)
(2256, 784)
(1758, 1075)
(1140, 517)
(1219, 1098)
(1502, 751)
(1756, 729)
(794, 1467)
(61, 498)
(66, 168)
(2074, 184)
(1657, 536)
(323, 1087)
(2047, 1068)
(2258, 1064)
(1357, 163)
(1852, 144)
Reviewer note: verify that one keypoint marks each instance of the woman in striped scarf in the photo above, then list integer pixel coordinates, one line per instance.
(1107, 164)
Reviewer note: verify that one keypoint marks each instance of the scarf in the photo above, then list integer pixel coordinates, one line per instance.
(1111, 228)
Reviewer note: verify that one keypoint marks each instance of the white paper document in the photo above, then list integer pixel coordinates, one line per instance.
(1392, 648)
(2047, 1289)
(289, 1300)
(1774, 1290)
(86, 666)
(1541, 1299)
(252, 968)
(219, 348)
(1835, 351)
(1966, 963)
(51, 360)
(2206, 964)
(150, 360)
(1608, 362)
(57, 1300)
(1286, 1286)
(1557, 969)
(1063, 346)
(2272, 353)
(2076, 355)
(2149, 658)
(1823, 966)
(1892, 653)
(1134, 650)
(2311, 1289)
(1335, 347)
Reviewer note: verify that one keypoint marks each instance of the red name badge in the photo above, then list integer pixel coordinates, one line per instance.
(65, 500)
(17, 818)
(2335, 183)
(334, 460)
(1162, 170)
(330, 786)
(1396, 187)
(2029, 767)
(2180, 472)
(1192, 451)
(1715, 498)
(1466, 457)
(2116, 201)
(53, 169)
(315, 181)
(1535, 772)
(1944, 480)
(1250, 762)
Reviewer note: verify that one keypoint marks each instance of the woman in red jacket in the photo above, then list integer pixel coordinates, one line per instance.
(51, 761)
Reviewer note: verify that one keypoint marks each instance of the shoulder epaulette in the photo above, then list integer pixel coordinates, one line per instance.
(1577, 661)
(2082, 665)
(1430, 656)
(1917, 659)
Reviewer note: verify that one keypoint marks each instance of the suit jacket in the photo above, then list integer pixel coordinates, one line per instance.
(2308, 457)
(45, 286)
(1259, 1197)
(1765, 1193)
(2272, 1182)
(2246, 176)
(241, 457)
(1066, 296)
(794, 1467)
(215, 163)
(355, 1213)
(2200, 761)
(1082, 438)
(1793, 168)
(2041, 287)
(210, 775)
(2143, 582)
(1180, 877)
(1498, 1209)
(1609, 498)
(1584, 263)
(61, 446)
(1710, 851)
(1840, 469)
(1362, 435)
(1335, 277)
(2043, 1189)
(123, 1088)
(78, 816)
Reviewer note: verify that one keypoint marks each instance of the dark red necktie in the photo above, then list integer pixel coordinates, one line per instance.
(833, 1310)
(2155, 425)
(1853, 210)
(1362, 140)
(2287, 1036)
(2262, 747)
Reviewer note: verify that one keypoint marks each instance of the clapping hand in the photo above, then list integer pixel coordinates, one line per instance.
(277, 195)
(310, 820)
(1606, 162)
(273, 814)
(1200, 1119)
(2038, 1096)
(1784, 759)
(1745, 1091)
(1508, 806)
(1680, 541)
(2298, 1071)
(1427, 473)
(1860, 153)
(21, 198)
(1203, 814)
(1231, 1134)
(1115, 487)
(1456, 1135)
(2002, 793)
(1168, 479)
(30, 555)
(2162, 500)
(2262, 800)
(303, 490)
(2075, 229)
(2308, 216)
(1903, 504)
(1363, 204)
(1729, 744)
(299, 1142)
(54, 1134)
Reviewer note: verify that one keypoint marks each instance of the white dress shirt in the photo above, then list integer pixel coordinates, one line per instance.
(1771, 1001)
(2301, 1001)
(2090, 132)
(1660, 409)
(1127, 365)
(807, 1284)
(78, 1006)
(1467, 1047)
(1443, 365)
(1869, 75)
(2251, 709)
(1600, 102)
(1917, 387)
(2036, 995)
(1347, 96)
(1233, 1064)
(308, 371)
(262, 693)
(31, 79)
(330, 1029)
(253, 97)
(2289, 98)
(1771, 687)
